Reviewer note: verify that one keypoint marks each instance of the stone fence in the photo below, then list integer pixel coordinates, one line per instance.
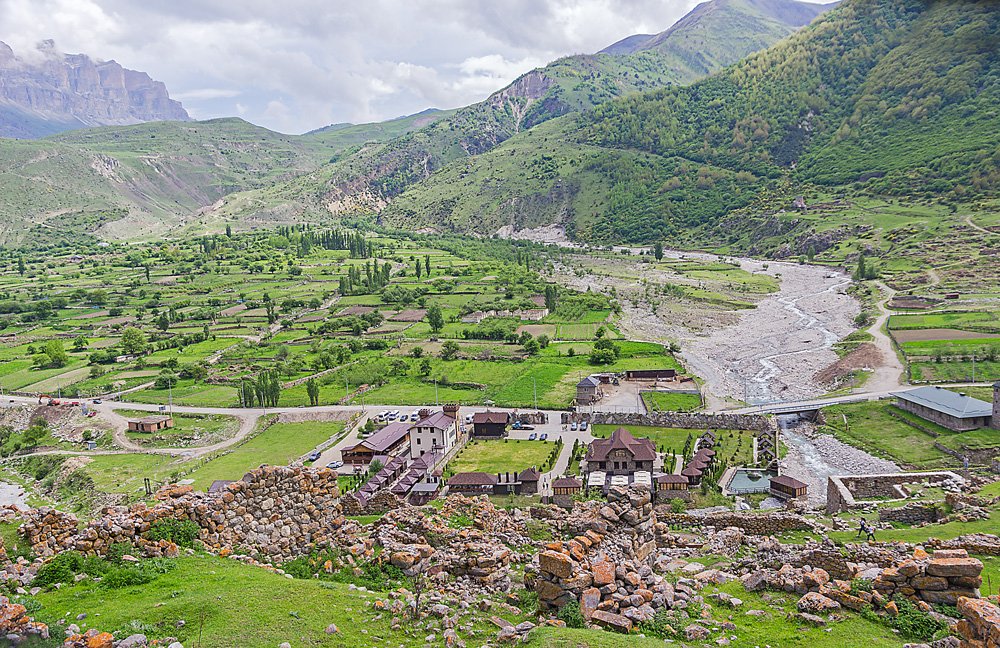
(693, 420)
(274, 513)
(847, 492)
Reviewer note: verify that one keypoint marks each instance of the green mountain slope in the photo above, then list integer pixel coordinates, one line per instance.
(881, 96)
(144, 180)
(715, 34)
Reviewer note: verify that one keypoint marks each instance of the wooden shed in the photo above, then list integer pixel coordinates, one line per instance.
(151, 424)
(785, 487)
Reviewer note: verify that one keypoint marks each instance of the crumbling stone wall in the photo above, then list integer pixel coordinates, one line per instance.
(276, 512)
(942, 578)
(609, 573)
(980, 625)
(914, 513)
(844, 492)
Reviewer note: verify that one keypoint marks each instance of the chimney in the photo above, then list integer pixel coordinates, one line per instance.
(424, 413)
(451, 410)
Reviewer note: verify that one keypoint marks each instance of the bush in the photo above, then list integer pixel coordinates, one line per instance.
(60, 569)
(130, 575)
(914, 624)
(570, 614)
(181, 532)
(677, 505)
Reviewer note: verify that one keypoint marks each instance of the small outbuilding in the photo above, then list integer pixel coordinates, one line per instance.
(529, 479)
(567, 486)
(785, 487)
(151, 424)
(490, 425)
(588, 390)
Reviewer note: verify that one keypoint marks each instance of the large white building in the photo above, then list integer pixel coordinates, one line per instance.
(436, 432)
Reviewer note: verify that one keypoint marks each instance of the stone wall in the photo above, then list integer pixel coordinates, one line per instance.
(942, 578)
(844, 492)
(980, 625)
(914, 513)
(695, 420)
(608, 573)
(276, 513)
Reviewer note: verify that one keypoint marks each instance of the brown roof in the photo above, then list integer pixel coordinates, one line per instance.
(691, 471)
(530, 474)
(384, 439)
(788, 482)
(438, 420)
(621, 439)
(491, 417)
(705, 452)
(473, 479)
(567, 482)
(672, 479)
(152, 419)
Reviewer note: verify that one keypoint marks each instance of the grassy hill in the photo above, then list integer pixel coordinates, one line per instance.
(131, 182)
(716, 34)
(875, 99)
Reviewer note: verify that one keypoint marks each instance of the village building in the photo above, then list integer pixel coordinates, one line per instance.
(473, 483)
(390, 441)
(529, 479)
(620, 456)
(953, 410)
(650, 374)
(784, 487)
(671, 483)
(435, 433)
(151, 424)
(567, 486)
(490, 425)
(588, 390)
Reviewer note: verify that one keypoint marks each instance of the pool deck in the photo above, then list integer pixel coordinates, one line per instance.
(727, 479)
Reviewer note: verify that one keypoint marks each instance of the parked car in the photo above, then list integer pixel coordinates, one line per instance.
(97, 401)
(572, 426)
(532, 436)
(314, 455)
(333, 465)
(414, 417)
(583, 425)
(544, 436)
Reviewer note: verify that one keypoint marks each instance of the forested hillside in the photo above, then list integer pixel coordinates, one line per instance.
(880, 96)
(716, 34)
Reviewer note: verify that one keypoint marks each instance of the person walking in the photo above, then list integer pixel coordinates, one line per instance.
(870, 533)
(862, 527)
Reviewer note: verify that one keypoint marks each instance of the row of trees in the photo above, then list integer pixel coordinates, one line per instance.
(264, 390)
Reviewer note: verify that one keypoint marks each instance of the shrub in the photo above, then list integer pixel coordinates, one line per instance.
(570, 614)
(913, 623)
(677, 505)
(134, 574)
(181, 532)
(60, 569)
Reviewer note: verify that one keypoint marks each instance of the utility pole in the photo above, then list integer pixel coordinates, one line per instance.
(436, 400)
(534, 388)
(170, 397)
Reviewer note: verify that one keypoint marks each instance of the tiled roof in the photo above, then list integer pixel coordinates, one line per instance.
(473, 479)
(500, 418)
(438, 420)
(385, 438)
(621, 439)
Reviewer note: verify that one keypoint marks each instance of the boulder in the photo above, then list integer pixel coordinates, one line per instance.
(611, 621)
(814, 602)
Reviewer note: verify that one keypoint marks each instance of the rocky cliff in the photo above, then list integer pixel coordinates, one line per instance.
(52, 92)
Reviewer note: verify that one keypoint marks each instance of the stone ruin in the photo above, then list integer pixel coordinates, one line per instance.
(274, 513)
(478, 554)
(607, 567)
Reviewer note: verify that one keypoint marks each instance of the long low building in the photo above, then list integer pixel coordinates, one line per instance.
(390, 440)
(953, 410)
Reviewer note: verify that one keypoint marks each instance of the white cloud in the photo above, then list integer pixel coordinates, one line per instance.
(300, 64)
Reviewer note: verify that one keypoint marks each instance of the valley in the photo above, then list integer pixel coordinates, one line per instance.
(691, 341)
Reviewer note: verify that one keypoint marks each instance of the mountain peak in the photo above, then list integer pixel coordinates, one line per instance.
(57, 92)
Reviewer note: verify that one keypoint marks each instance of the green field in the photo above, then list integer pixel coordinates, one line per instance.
(734, 446)
(498, 456)
(278, 445)
(667, 402)
(872, 427)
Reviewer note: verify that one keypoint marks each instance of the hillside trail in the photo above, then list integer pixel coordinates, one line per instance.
(970, 223)
(890, 373)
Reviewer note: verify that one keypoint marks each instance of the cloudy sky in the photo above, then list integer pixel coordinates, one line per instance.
(295, 65)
